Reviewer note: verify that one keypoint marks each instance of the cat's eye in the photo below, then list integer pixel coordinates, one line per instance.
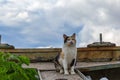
(73, 39)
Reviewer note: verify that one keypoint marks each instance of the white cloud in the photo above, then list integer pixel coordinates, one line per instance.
(45, 47)
(48, 18)
(104, 20)
(23, 16)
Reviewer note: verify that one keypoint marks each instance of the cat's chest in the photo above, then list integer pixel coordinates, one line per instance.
(69, 52)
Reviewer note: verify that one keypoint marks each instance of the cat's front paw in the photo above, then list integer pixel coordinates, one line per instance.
(66, 73)
(72, 72)
(61, 71)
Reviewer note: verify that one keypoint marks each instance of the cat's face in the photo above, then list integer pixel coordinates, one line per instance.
(69, 40)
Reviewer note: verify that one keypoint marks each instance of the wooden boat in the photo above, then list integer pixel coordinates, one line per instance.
(92, 61)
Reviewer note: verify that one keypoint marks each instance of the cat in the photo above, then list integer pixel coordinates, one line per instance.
(65, 61)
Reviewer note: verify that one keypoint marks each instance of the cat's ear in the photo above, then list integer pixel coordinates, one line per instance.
(74, 35)
(64, 36)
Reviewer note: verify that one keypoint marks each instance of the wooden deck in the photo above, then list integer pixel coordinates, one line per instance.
(47, 69)
(82, 66)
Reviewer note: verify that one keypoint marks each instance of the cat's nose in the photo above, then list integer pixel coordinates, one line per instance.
(71, 42)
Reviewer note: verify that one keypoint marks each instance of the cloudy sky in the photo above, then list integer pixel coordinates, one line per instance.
(42, 23)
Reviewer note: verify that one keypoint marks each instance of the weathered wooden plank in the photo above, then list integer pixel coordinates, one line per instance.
(84, 54)
(53, 75)
(100, 67)
(82, 66)
(31, 50)
(43, 50)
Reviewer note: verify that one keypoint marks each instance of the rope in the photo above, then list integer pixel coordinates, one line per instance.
(81, 75)
(40, 76)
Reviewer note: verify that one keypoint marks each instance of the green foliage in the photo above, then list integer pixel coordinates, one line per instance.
(11, 68)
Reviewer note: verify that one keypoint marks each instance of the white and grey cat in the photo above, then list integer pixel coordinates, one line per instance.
(65, 61)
